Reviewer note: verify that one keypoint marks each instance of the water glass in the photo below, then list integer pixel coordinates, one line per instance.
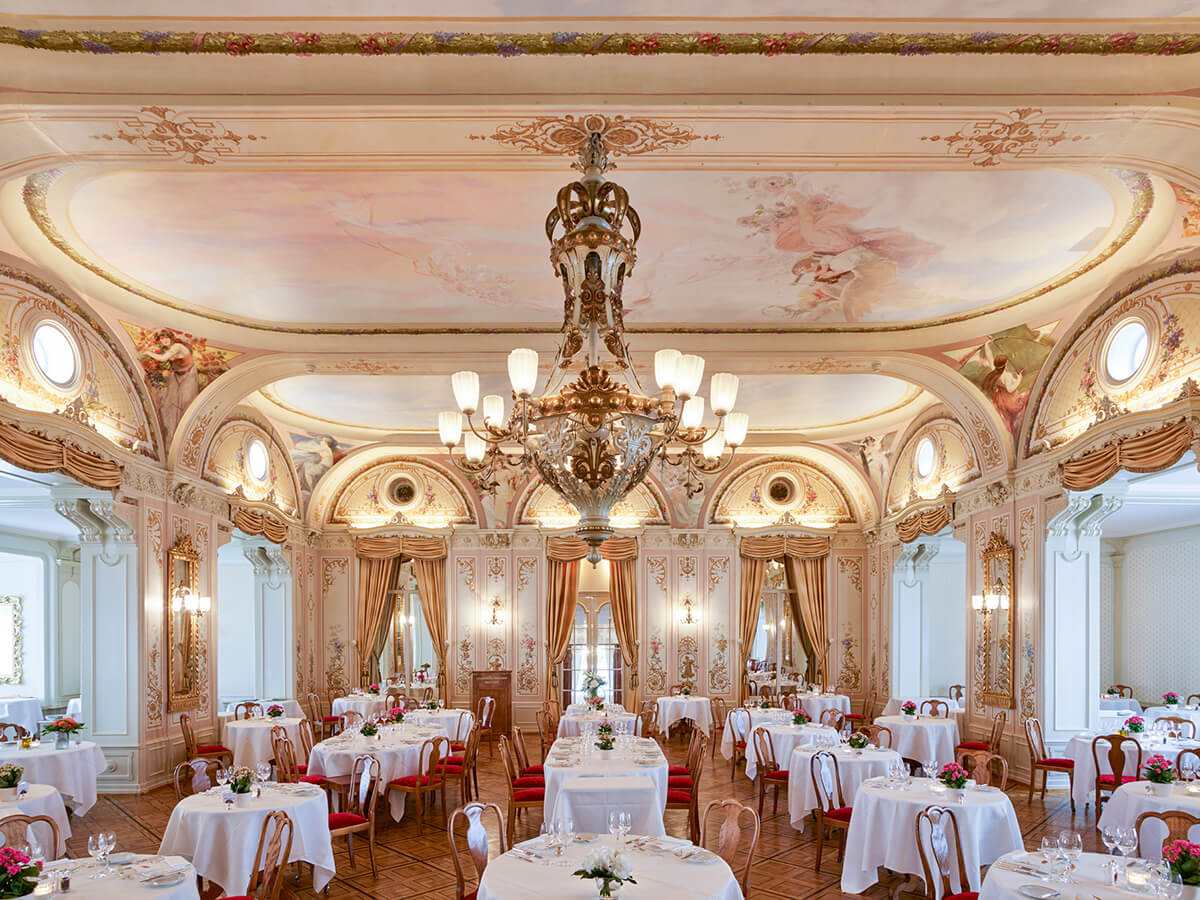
(930, 768)
(95, 849)
(1109, 836)
(1127, 840)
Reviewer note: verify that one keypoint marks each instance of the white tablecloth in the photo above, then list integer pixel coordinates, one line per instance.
(815, 704)
(42, 800)
(853, 770)
(573, 724)
(784, 738)
(117, 888)
(922, 738)
(290, 707)
(587, 801)
(73, 771)
(609, 706)
(893, 704)
(366, 705)
(1090, 880)
(673, 709)
(658, 875)
(1183, 712)
(1120, 703)
(397, 749)
(25, 711)
(445, 721)
(1079, 749)
(1131, 800)
(250, 739)
(882, 831)
(221, 843)
(1113, 720)
(620, 761)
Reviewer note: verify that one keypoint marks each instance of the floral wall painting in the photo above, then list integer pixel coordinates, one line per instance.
(1006, 366)
(177, 366)
(1187, 205)
(313, 456)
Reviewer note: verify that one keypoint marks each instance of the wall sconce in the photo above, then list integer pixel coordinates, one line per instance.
(497, 605)
(688, 614)
(183, 599)
(991, 600)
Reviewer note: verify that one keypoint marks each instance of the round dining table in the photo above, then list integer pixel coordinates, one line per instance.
(922, 737)
(853, 767)
(815, 704)
(575, 724)
(1089, 878)
(127, 882)
(41, 800)
(72, 770)
(1131, 800)
(1079, 751)
(786, 737)
(455, 724)
(366, 705)
(1191, 713)
(530, 872)
(24, 711)
(250, 739)
(684, 706)
(221, 842)
(575, 757)
(882, 831)
(893, 705)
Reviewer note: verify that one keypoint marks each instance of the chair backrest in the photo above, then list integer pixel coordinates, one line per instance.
(518, 739)
(545, 733)
(718, 709)
(985, 765)
(286, 769)
(432, 759)
(189, 736)
(739, 724)
(957, 692)
(314, 706)
(17, 731)
(554, 708)
(826, 780)
(411, 703)
(767, 692)
(1177, 822)
(879, 735)
(936, 708)
(1035, 740)
(645, 722)
(764, 750)
(675, 690)
(16, 828)
(511, 771)
(1121, 690)
(1116, 754)
(395, 697)
(363, 790)
(307, 739)
(697, 746)
(477, 840)
(1179, 724)
(998, 722)
(462, 728)
(427, 695)
(1192, 699)
(943, 872)
(731, 814)
(472, 748)
(194, 776)
(1188, 761)
(248, 709)
(833, 718)
(270, 861)
(351, 718)
(485, 710)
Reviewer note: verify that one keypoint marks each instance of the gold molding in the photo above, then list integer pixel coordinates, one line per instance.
(181, 697)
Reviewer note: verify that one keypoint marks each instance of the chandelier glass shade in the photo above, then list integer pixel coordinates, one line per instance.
(593, 432)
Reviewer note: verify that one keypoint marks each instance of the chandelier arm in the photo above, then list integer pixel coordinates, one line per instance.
(494, 435)
(719, 466)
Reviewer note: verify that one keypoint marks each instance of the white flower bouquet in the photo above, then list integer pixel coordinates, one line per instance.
(608, 867)
(592, 683)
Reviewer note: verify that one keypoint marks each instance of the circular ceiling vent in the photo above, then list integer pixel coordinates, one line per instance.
(402, 492)
(781, 491)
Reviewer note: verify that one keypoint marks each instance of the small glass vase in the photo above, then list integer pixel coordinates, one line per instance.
(61, 740)
(608, 887)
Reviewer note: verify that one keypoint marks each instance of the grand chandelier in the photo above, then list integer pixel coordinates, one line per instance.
(593, 433)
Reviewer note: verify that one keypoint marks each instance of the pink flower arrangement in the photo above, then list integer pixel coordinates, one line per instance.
(373, 688)
(275, 710)
(800, 717)
(17, 873)
(394, 716)
(1170, 698)
(953, 776)
(1135, 724)
(596, 704)
(1158, 771)
(1183, 857)
(908, 707)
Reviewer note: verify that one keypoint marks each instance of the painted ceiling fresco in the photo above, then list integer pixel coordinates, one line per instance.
(716, 246)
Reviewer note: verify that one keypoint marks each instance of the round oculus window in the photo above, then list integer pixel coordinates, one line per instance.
(780, 492)
(258, 462)
(1127, 351)
(54, 354)
(401, 491)
(925, 458)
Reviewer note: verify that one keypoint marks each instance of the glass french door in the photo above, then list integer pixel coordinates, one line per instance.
(593, 648)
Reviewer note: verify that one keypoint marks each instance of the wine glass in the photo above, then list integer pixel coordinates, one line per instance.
(625, 823)
(568, 830)
(614, 824)
(930, 767)
(1049, 848)
(1127, 840)
(1108, 835)
(441, 703)
(1070, 843)
(95, 849)
(1169, 883)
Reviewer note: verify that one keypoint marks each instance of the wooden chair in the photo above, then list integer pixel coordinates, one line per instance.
(769, 772)
(729, 836)
(547, 731)
(719, 713)
(1121, 690)
(477, 842)
(307, 740)
(431, 778)
(351, 719)
(1192, 699)
(1181, 767)
(393, 698)
(427, 695)
(1115, 777)
(358, 811)
(993, 741)
(879, 735)
(16, 830)
(270, 860)
(1179, 724)
(681, 797)
(938, 708)
(649, 717)
(957, 692)
(484, 715)
(1177, 822)
(739, 731)
(16, 731)
(831, 811)
(248, 709)
(683, 777)
(207, 751)
(518, 797)
(462, 731)
(328, 725)
(675, 690)
(863, 718)
(934, 844)
(985, 765)
(462, 767)
(1039, 761)
(194, 777)
(288, 770)
(522, 755)
(833, 718)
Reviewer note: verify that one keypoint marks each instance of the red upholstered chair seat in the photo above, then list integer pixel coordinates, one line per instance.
(453, 770)
(530, 794)
(683, 782)
(313, 779)
(457, 747)
(302, 769)
(777, 775)
(854, 717)
(1056, 761)
(331, 718)
(974, 745)
(454, 760)
(344, 820)
(1108, 779)
(965, 895)
(532, 781)
(678, 796)
(411, 780)
(473, 894)
(534, 770)
(213, 748)
(741, 745)
(678, 770)
(841, 814)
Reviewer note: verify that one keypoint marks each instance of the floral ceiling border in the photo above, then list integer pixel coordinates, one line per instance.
(571, 43)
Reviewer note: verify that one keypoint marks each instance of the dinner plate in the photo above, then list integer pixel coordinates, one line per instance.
(166, 879)
(1038, 892)
(701, 856)
(120, 859)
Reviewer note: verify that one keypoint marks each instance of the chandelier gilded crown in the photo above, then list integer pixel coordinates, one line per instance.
(593, 433)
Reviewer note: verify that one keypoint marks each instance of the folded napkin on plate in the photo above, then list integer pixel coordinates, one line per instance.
(154, 866)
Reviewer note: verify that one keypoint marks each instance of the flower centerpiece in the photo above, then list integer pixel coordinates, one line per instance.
(368, 729)
(1184, 859)
(241, 781)
(858, 741)
(422, 673)
(1160, 773)
(62, 729)
(764, 704)
(604, 729)
(394, 716)
(17, 873)
(595, 704)
(1135, 724)
(1170, 698)
(431, 704)
(592, 684)
(372, 689)
(605, 741)
(800, 717)
(608, 867)
(274, 710)
(10, 778)
(685, 691)
(908, 708)
(953, 776)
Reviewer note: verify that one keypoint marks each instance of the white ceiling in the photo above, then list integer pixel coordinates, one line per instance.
(1159, 501)
(27, 507)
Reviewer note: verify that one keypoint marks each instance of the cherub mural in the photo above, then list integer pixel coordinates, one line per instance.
(1006, 366)
(313, 456)
(874, 454)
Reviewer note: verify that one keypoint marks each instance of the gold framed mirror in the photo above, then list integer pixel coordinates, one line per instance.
(999, 624)
(181, 610)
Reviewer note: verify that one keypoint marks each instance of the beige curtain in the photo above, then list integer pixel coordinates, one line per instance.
(385, 554)
(563, 559)
(927, 521)
(804, 560)
(254, 523)
(42, 454)
(622, 554)
(1143, 453)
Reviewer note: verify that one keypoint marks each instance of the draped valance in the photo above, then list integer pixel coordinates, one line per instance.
(393, 545)
(253, 522)
(569, 549)
(779, 546)
(42, 454)
(927, 521)
(1148, 452)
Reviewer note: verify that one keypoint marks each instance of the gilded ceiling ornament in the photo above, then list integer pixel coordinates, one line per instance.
(162, 131)
(1022, 132)
(622, 135)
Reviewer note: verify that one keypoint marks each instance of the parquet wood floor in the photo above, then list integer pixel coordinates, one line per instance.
(421, 867)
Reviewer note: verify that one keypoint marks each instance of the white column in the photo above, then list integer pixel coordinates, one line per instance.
(272, 617)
